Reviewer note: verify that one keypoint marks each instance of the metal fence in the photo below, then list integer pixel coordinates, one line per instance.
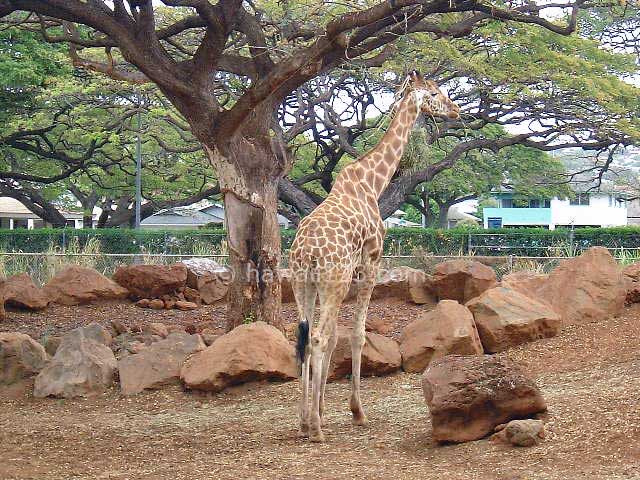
(42, 266)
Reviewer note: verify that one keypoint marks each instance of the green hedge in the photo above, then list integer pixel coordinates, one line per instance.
(399, 241)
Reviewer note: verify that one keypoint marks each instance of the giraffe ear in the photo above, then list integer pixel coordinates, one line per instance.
(415, 74)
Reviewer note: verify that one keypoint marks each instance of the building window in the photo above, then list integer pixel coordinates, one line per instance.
(494, 222)
(547, 203)
(535, 203)
(580, 199)
(506, 203)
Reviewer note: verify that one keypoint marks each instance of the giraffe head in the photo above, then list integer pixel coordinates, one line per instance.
(430, 99)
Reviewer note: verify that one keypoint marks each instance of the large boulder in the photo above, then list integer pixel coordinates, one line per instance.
(151, 281)
(582, 289)
(632, 279)
(505, 318)
(250, 352)
(158, 364)
(75, 285)
(20, 357)
(83, 365)
(447, 329)
(468, 396)
(462, 280)
(525, 282)
(380, 355)
(209, 278)
(405, 283)
(19, 291)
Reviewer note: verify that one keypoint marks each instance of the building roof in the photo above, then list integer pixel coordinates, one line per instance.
(10, 206)
(196, 215)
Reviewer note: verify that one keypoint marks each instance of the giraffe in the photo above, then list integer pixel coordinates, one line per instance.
(344, 234)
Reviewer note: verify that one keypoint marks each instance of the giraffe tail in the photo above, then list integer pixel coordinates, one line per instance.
(303, 340)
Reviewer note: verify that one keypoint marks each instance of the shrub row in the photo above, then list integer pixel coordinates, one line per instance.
(399, 241)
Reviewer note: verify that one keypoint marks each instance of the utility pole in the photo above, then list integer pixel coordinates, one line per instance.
(138, 172)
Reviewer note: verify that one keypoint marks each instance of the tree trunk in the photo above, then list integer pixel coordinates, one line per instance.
(87, 220)
(249, 170)
(443, 211)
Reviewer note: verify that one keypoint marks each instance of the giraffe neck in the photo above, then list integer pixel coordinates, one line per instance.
(385, 157)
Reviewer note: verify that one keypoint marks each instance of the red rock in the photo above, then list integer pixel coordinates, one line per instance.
(156, 328)
(143, 303)
(180, 305)
(20, 357)
(192, 295)
(81, 366)
(255, 351)
(462, 280)
(468, 396)
(151, 281)
(210, 279)
(447, 329)
(632, 281)
(158, 364)
(506, 318)
(75, 285)
(378, 325)
(156, 304)
(582, 289)
(405, 283)
(19, 291)
(380, 355)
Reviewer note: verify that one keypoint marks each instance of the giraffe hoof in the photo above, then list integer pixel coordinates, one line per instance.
(317, 437)
(303, 431)
(360, 420)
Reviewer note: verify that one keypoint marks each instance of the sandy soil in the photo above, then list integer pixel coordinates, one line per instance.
(589, 375)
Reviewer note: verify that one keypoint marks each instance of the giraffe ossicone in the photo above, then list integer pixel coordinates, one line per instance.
(344, 234)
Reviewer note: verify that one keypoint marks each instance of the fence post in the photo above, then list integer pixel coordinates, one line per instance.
(64, 240)
(571, 239)
(469, 244)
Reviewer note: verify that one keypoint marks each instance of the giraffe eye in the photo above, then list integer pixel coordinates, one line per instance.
(434, 94)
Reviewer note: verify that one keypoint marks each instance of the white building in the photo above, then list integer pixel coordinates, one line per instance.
(585, 210)
(395, 220)
(14, 215)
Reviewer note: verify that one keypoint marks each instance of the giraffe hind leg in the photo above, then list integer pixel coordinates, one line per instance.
(305, 293)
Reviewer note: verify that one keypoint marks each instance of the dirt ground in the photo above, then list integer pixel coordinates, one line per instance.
(589, 375)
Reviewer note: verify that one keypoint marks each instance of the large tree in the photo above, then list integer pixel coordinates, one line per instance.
(227, 67)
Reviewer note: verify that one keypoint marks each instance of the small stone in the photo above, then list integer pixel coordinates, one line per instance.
(158, 329)
(180, 305)
(143, 303)
(169, 304)
(192, 295)
(118, 326)
(523, 433)
(156, 304)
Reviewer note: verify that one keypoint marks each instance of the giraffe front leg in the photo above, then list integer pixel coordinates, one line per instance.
(357, 343)
(365, 288)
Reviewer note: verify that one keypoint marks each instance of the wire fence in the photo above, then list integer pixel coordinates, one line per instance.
(42, 266)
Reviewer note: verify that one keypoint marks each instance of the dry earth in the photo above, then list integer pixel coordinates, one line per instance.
(589, 375)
